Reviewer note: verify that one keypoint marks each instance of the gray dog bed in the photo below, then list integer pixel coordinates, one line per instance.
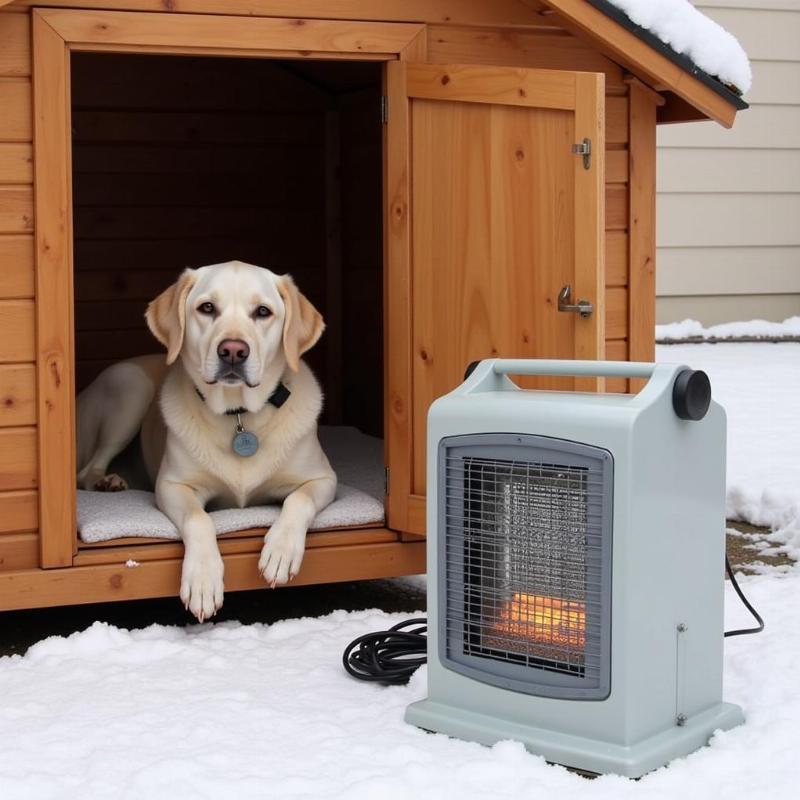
(356, 458)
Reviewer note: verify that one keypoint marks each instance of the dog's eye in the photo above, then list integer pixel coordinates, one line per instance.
(262, 311)
(206, 308)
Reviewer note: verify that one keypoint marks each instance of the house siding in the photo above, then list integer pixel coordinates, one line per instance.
(729, 200)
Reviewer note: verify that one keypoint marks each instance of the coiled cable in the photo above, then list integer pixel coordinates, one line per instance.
(389, 657)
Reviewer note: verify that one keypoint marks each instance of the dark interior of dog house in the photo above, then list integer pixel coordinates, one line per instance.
(185, 161)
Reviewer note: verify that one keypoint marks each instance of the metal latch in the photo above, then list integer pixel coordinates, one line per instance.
(582, 307)
(584, 149)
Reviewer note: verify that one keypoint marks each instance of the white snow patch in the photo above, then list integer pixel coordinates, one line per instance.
(691, 33)
(758, 384)
(232, 711)
(760, 328)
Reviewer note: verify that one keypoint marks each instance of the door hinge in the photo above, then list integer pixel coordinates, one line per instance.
(584, 149)
(386, 481)
(384, 109)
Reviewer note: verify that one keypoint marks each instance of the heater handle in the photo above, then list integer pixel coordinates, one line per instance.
(688, 390)
(601, 369)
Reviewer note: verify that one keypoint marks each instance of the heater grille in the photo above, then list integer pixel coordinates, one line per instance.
(526, 557)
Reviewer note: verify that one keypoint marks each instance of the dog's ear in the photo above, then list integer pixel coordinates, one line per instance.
(303, 324)
(166, 315)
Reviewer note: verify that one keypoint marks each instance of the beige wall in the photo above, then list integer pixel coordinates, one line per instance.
(729, 201)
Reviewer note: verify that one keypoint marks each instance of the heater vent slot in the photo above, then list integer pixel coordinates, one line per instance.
(526, 556)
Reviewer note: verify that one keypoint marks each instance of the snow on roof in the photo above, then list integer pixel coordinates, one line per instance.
(692, 34)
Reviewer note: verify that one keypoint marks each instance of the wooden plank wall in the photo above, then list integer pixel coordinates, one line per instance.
(19, 544)
(552, 48)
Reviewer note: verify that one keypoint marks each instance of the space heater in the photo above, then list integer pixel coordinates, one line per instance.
(575, 565)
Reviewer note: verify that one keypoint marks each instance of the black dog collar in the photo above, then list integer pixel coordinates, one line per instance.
(277, 398)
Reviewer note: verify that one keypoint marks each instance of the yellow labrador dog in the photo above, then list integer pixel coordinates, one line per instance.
(230, 419)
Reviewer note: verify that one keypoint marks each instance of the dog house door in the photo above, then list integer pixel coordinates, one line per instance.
(494, 205)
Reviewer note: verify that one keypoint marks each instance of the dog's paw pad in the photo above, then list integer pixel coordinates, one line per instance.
(110, 483)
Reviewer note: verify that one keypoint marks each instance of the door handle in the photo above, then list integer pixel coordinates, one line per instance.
(582, 307)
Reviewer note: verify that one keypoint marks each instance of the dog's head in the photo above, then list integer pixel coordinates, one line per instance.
(230, 322)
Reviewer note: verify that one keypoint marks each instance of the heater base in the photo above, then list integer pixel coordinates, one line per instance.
(591, 755)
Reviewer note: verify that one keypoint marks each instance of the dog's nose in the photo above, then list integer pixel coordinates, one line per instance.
(234, 351)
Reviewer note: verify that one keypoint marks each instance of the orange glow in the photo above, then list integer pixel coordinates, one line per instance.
(548, 620)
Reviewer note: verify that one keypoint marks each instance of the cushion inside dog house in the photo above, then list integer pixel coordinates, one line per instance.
(356, 458)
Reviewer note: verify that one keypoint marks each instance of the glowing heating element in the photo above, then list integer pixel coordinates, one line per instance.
(548, 620)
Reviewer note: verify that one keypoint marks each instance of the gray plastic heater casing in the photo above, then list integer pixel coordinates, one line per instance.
(667, 578)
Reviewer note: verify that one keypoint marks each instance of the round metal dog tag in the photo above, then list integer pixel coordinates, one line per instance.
(245, 443)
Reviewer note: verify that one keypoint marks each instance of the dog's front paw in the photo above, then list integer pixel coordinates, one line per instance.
(201, 584)
(110, 483)
(282, 554)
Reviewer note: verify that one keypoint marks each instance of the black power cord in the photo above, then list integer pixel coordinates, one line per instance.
(389, 657)
(745, 602)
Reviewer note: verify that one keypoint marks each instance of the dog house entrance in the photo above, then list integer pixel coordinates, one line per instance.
(526, 549)
(182, 161)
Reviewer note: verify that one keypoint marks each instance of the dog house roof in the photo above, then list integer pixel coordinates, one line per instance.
(671, 46)
(689, 38)
(698, 66)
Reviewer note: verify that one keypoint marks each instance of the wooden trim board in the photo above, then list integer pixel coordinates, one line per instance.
(590, 275)
(457, 12)
(642, 228)
(54, 302)
(128, 31)
(398, 435)
(100, 583)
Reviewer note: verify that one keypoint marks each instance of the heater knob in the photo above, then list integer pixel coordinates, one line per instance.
(691, 394)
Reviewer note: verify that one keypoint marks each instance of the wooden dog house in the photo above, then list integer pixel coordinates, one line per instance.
(432, 172)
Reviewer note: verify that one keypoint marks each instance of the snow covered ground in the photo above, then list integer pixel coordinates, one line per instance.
(233, 711)
(752, 328)
(759, 386)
